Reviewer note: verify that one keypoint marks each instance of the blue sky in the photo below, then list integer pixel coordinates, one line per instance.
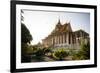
(41, 23)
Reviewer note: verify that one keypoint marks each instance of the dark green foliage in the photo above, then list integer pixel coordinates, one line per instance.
(39, 52)
(47, 50)
(24, 53)
(71, 51)
(25, 39)
(83, 53)
(25, 58)
(60, 54)
(24, 48)
(25, 34)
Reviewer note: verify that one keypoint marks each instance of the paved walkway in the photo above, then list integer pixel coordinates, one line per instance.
(45, 59)
(48, 59)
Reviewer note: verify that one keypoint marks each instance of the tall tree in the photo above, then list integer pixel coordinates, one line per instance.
(26, 37)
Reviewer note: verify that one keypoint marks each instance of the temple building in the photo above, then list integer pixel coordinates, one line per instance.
(64, 37)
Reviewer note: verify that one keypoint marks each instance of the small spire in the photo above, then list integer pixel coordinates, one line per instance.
(22, 11)
(69, 21)
(59, 21)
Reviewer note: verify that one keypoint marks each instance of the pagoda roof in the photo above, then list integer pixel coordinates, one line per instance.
(62, 28)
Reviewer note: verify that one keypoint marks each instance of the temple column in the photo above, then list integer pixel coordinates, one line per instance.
(63, 38)
(60, 39)
(53, 40)
(57, 40)
(67, 38)
(70, 38)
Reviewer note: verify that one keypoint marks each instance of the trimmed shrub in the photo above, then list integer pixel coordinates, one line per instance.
(60, 54)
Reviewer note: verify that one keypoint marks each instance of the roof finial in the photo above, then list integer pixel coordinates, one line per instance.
(69, 21)
(59, 21)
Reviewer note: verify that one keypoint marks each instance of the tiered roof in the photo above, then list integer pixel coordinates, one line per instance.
(61, 28)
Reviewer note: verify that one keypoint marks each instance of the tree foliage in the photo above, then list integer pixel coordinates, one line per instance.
(83, 53)
(25, 48)
(26, 37)
(60, 54)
